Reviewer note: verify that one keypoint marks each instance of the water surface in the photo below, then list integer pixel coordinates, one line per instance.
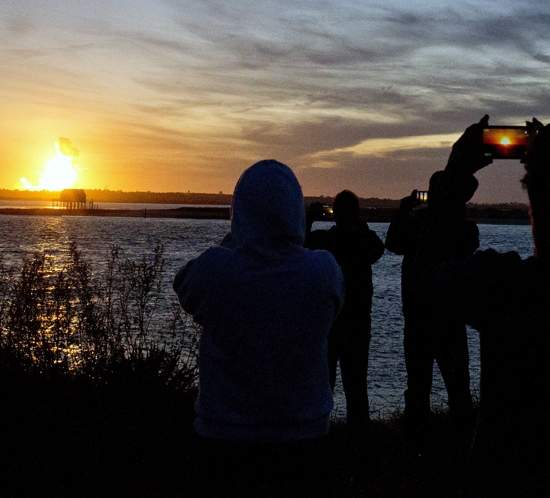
(185, 239)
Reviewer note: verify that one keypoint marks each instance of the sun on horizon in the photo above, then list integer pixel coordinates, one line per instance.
(59, 172)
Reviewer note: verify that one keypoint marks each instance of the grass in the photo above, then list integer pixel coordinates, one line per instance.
(98, 379)
(387, 463)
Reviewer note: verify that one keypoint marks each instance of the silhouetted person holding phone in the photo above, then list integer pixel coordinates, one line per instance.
(427, 238)
(356, 248)
(507, 299)
(266, 306)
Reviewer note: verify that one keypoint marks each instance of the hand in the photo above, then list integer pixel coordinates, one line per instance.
(409, 202)
(538, 142)
(467, 156)
(315, 212)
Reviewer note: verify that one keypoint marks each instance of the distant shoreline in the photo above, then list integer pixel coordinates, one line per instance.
(375, 215)
(208, 213)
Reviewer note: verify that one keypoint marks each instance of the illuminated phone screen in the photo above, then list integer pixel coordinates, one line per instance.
(505, 142)
(422, 196)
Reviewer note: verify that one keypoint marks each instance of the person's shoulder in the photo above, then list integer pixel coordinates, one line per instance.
(214, 260)
(324, 273)
(320, 262)
(495, 259)
(318, 239)
(537, 269)
(319, 258)
(497, 270)
(470, 224)
(201, 271)
(366, 231)
(216, 253)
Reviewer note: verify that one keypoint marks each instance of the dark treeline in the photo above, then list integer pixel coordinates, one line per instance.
(219, 199)
(376, 210)
(100, 195)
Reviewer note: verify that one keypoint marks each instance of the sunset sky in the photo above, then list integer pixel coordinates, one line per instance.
(183, 95)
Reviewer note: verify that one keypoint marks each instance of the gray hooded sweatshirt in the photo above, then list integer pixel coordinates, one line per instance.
(266, 306)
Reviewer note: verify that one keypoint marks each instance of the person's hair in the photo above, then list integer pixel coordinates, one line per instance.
(346, 204)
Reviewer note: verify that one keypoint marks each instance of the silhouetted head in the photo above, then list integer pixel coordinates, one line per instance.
(268, 208)
(448, 192)
(346, 208)
(537, 183)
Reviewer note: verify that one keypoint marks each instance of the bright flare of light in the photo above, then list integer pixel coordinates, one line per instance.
(505, 141)
(58, 173)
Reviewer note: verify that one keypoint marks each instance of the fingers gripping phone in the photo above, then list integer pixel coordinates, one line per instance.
(505, 142)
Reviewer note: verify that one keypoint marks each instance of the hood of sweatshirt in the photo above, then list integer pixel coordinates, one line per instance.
(268, 215)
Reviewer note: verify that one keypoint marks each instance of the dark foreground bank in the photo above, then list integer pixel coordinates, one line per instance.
(66, 438)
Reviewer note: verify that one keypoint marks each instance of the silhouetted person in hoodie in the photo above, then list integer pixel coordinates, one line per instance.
(507, 299)
(356, 248)
(428, 238)
(266, 306)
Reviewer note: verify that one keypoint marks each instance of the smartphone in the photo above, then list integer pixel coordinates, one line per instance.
(505, 142)
(422, 196)
(328, 212)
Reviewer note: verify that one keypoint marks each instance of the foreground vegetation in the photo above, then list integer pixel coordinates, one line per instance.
(97, 375)
(98, 379)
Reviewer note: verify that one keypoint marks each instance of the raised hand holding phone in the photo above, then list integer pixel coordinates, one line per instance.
(468, 152)
(410, 202)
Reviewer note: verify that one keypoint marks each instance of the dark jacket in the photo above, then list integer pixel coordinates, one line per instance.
(266, 306)
(355, 252)
(427, 239)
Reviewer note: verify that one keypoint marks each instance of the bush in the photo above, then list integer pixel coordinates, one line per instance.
(61, 319)
(97, 374)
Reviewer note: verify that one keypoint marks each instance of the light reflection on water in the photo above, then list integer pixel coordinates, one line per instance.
(185, 239)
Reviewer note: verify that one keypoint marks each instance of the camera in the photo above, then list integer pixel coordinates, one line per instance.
(505, 142)
(320, 212)
(327, 213)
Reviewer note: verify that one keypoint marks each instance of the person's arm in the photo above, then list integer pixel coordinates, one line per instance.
(476, 288)
(467, 155)
(314, 239)
(470, 239)
(190, 285)
(335, 282)
(183, 286)
(398, 238)
(372, 246)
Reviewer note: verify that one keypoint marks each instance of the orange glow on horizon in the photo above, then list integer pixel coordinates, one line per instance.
(59, 172)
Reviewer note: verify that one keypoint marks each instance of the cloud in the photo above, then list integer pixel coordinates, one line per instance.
(357, 86)
(19, 25)
(67, 148)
